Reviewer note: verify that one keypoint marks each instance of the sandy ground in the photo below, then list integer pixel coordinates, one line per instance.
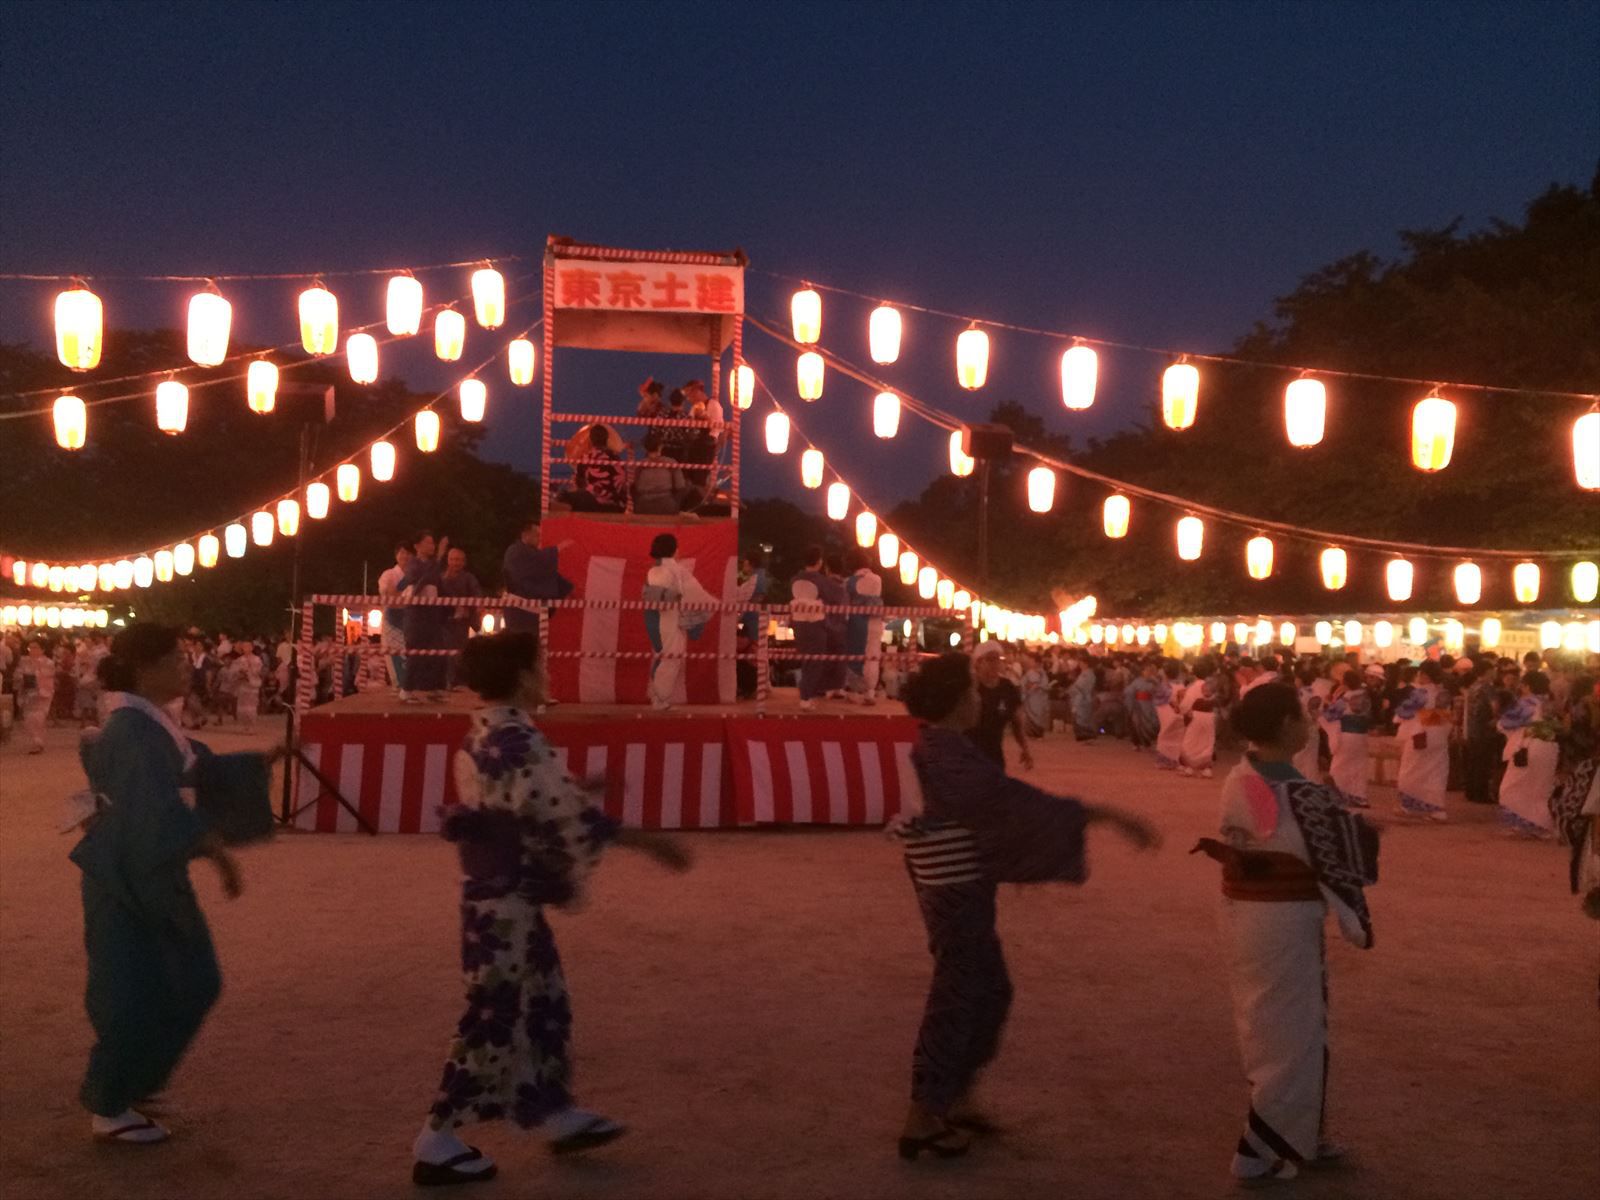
(753, 1019)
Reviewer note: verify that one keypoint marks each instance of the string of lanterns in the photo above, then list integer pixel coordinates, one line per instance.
(41, 615)
(1261, 633)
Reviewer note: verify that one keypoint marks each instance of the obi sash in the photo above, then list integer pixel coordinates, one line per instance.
(1261, 875)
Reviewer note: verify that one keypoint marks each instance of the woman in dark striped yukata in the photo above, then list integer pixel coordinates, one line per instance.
(979, 828)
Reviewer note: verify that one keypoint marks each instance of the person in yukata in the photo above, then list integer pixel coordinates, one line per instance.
(426, 625)
(1144, 724)
(1198, 709)
(863, 632)
(1169, 693)
(1350, 709)
(1081, 692)
(1035, 685)
(670, 582)
(528, 836)
(1531, 756)
(978, 828)
(36, 681)
(811, 591)
(1424, 733)
(153, 973)
(1289, 854)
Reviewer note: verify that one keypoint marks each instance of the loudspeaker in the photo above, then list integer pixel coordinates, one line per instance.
(989, 443)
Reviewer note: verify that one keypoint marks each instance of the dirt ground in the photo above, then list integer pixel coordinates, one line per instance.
(753, 1020)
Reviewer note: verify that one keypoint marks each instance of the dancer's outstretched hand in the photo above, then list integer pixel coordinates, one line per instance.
(1142, 833)
(668, 852)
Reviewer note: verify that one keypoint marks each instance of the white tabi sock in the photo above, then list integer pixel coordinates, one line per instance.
(441, 1145)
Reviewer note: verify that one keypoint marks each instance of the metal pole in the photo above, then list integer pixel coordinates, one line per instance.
(983, 525)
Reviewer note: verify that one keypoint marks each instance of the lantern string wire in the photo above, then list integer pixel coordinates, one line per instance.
(309, 276)
(1224, 516)
(1179, 355)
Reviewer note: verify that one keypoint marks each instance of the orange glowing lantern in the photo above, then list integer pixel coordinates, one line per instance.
(1586, 450)
(885, 414)
(489, 297)
(261, 528)
(404, 305)
(961, 464)
(71, 417)
(1041, 489)
(888, 551)
(1305, 411)
(1080, 370)
(805, 309)
(1585, 581)
(1114, 515)
(1258, 557)
(883, 334)
(811, 468)
(183, 558)
(744, 386)
(866, 529)
(361, 354)
(319, 320)
(908, 567)
(777, 433)
(288, 517)
(210, 317)
(1469, 583)
(261, 386)
(809, 370)
(972, 358)
(946, 593)
(164, 566)
(927, 582)
(520, 359)
(383, 461)
(474, 397)
(1525, 582)
(1191, 538)
(79, 324)
(449, 335)
(1433, 433)
(347, 480)
(426, 427)
(1398, 576)
(172, 406)
(206, 555)
(838, 501)
(317, 499)
(1335, 565)
(1180, 395)
(234, 539)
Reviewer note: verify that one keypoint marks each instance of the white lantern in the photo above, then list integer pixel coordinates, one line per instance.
(1335, 568)
(319, 320)
(1258, 557)
(382, 461)
(317, 499)
(1241, 631)
(1191, 538)
(886, 414)
(1455, 634)
(972, 359)
(88, 576)
(927, 582)
(261, 528)
(1417, 631)
(206, 555)
(809, 370)
(288, 517)
(960, 464)
(811, 468)
(474, 397)
(234, 539)
(1383, 634)
(19, 572)
(183, 558)
(347, 479)
(1041, 489)
(1352, 633)
(1469, 583)
(261, 386)
(908, 567)
(1585, 582)
(866, 529)
(962, 600)
(1287, 632)
(888, 551)
(71, 417)
(744, 386)
(489, 297)
(1586, 450)
(404, 307)
(805, 308)
(172, 406)
(1114, 515)
(361, 353)
(1549, 635)
(1305, 411)
(883, 334)
(164, 566)
(1180, 395)
(210, 317)
(1324, 632)
(1433, 433)
(946, 593)
(426, 426)
(56, 578)
(1525, 582)
(520, 359)
(1489, 635)
(1397, 576)
(79, 323)
(838, 501)
(449, 335)
(777, 433)
(39, 574)
(1080, 370)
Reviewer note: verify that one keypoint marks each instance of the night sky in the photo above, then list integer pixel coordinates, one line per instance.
(1154, 173)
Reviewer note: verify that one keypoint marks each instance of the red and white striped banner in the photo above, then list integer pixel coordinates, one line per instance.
(853, 771)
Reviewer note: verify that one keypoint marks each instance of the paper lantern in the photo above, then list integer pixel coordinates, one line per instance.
(1549, 635)
(1585, 582)
(883, 334)
(1586, 450)
(261, 386)
(886, 414)
(19, 572)
(866, 529)
(474, 397)
(261, 528)
(52, 615)
(1324, 632)
(71, 417)
(288, 517)
(234, 539)
(809, 370)
(183, 558)
(361, 354)
(888, 551)
(744, 386)
(811, 468)
(164, 563)
(777, 433)
(404, 307)
(319, 320)
(1241, 631)
(1114, 515)
(348, 481)
(1191, 538)
(426, 426)
(1080, 369)
(1417, 631)
(1335, 565)
(489, 297)
(1258, 557)
(961, 465)
(206, 554)
(1469, 583)
(317, 499)
(927, 582)
(56, 578)
(520, 359)
(79, 323)
(1096, 634)
(1352, 633)
(210, 317)
(946, 593)
(1397, 576)
(382, 466)
(1489, 635)
(805, 308)
(838, 501)
(908, 567)
(1287, 632)
(1433, 433)
(1455, 634)
(1525, 582)
(172, 406)
(1041, 489)
(962, 600)
(449, 335)
(1305, 411)
(1382, 634)
(88, 575)
(106, 575)
(1180, 395)
(972, 359)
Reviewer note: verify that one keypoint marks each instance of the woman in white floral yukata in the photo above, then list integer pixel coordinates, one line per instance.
(528, 835)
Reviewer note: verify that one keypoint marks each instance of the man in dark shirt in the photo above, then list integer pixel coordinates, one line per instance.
(533, 573)
(1000, 707)
(425, 623)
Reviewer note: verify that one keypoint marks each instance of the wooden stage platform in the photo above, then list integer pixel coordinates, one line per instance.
(783, 702)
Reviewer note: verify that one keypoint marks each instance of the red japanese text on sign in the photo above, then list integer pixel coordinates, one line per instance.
(660, 287)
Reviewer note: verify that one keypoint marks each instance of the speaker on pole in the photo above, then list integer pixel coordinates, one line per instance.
(986, 443)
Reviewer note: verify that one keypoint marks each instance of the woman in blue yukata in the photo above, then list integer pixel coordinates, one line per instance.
(978, 828)
(528, 836)
(156, 800)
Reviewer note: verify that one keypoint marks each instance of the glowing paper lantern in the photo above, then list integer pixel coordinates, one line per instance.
(88, 576)
(1549, 635)
(927, 582)
(1324, 632)
(474, 397)
(1180, 395)
(210, 317)
(449, 335)
(1240, 632)
(79, 322)
(106, 575)
(261, 529)
(960, 464)
(1335, 568)
(1080, 369)
(1352, 633)
(183, 558)
(164, 561)
(1219, 632)
(1041, 489)
(19, 573)
(1585, 582)
(261, 386)
(361, 353)
(404, 305)
(1305, 411)
(962, 600)
(809, 370)
(207, 551)
(71, 417)
(234, 539)
(1586, 450)
(382, 461)
(1287, 632)
(777, 433)
(1469, 583)
(1489, 635)
(1455, 634)
(866, 529)
(888, 551)
(883, 334)
(319, 320)
(348, 480)
(908, 567)
(946, 593)
(1417, 631)
(489, 297)
(838, 501)
(317, 499)
(288, 517)
(1258, 557)
(520, 360)
(172, 406)
(426, 427)
(1433, 433)
(1397, 577)
(1525, 582)
(1191, 538)
(744, 386)
(972, 359)
(1115, 514)
(811, 468)
(1382, 634)
(886, 414)
(56, 578)
(805, 310)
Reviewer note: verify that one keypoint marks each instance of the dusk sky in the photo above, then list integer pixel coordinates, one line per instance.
(1153, 173)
